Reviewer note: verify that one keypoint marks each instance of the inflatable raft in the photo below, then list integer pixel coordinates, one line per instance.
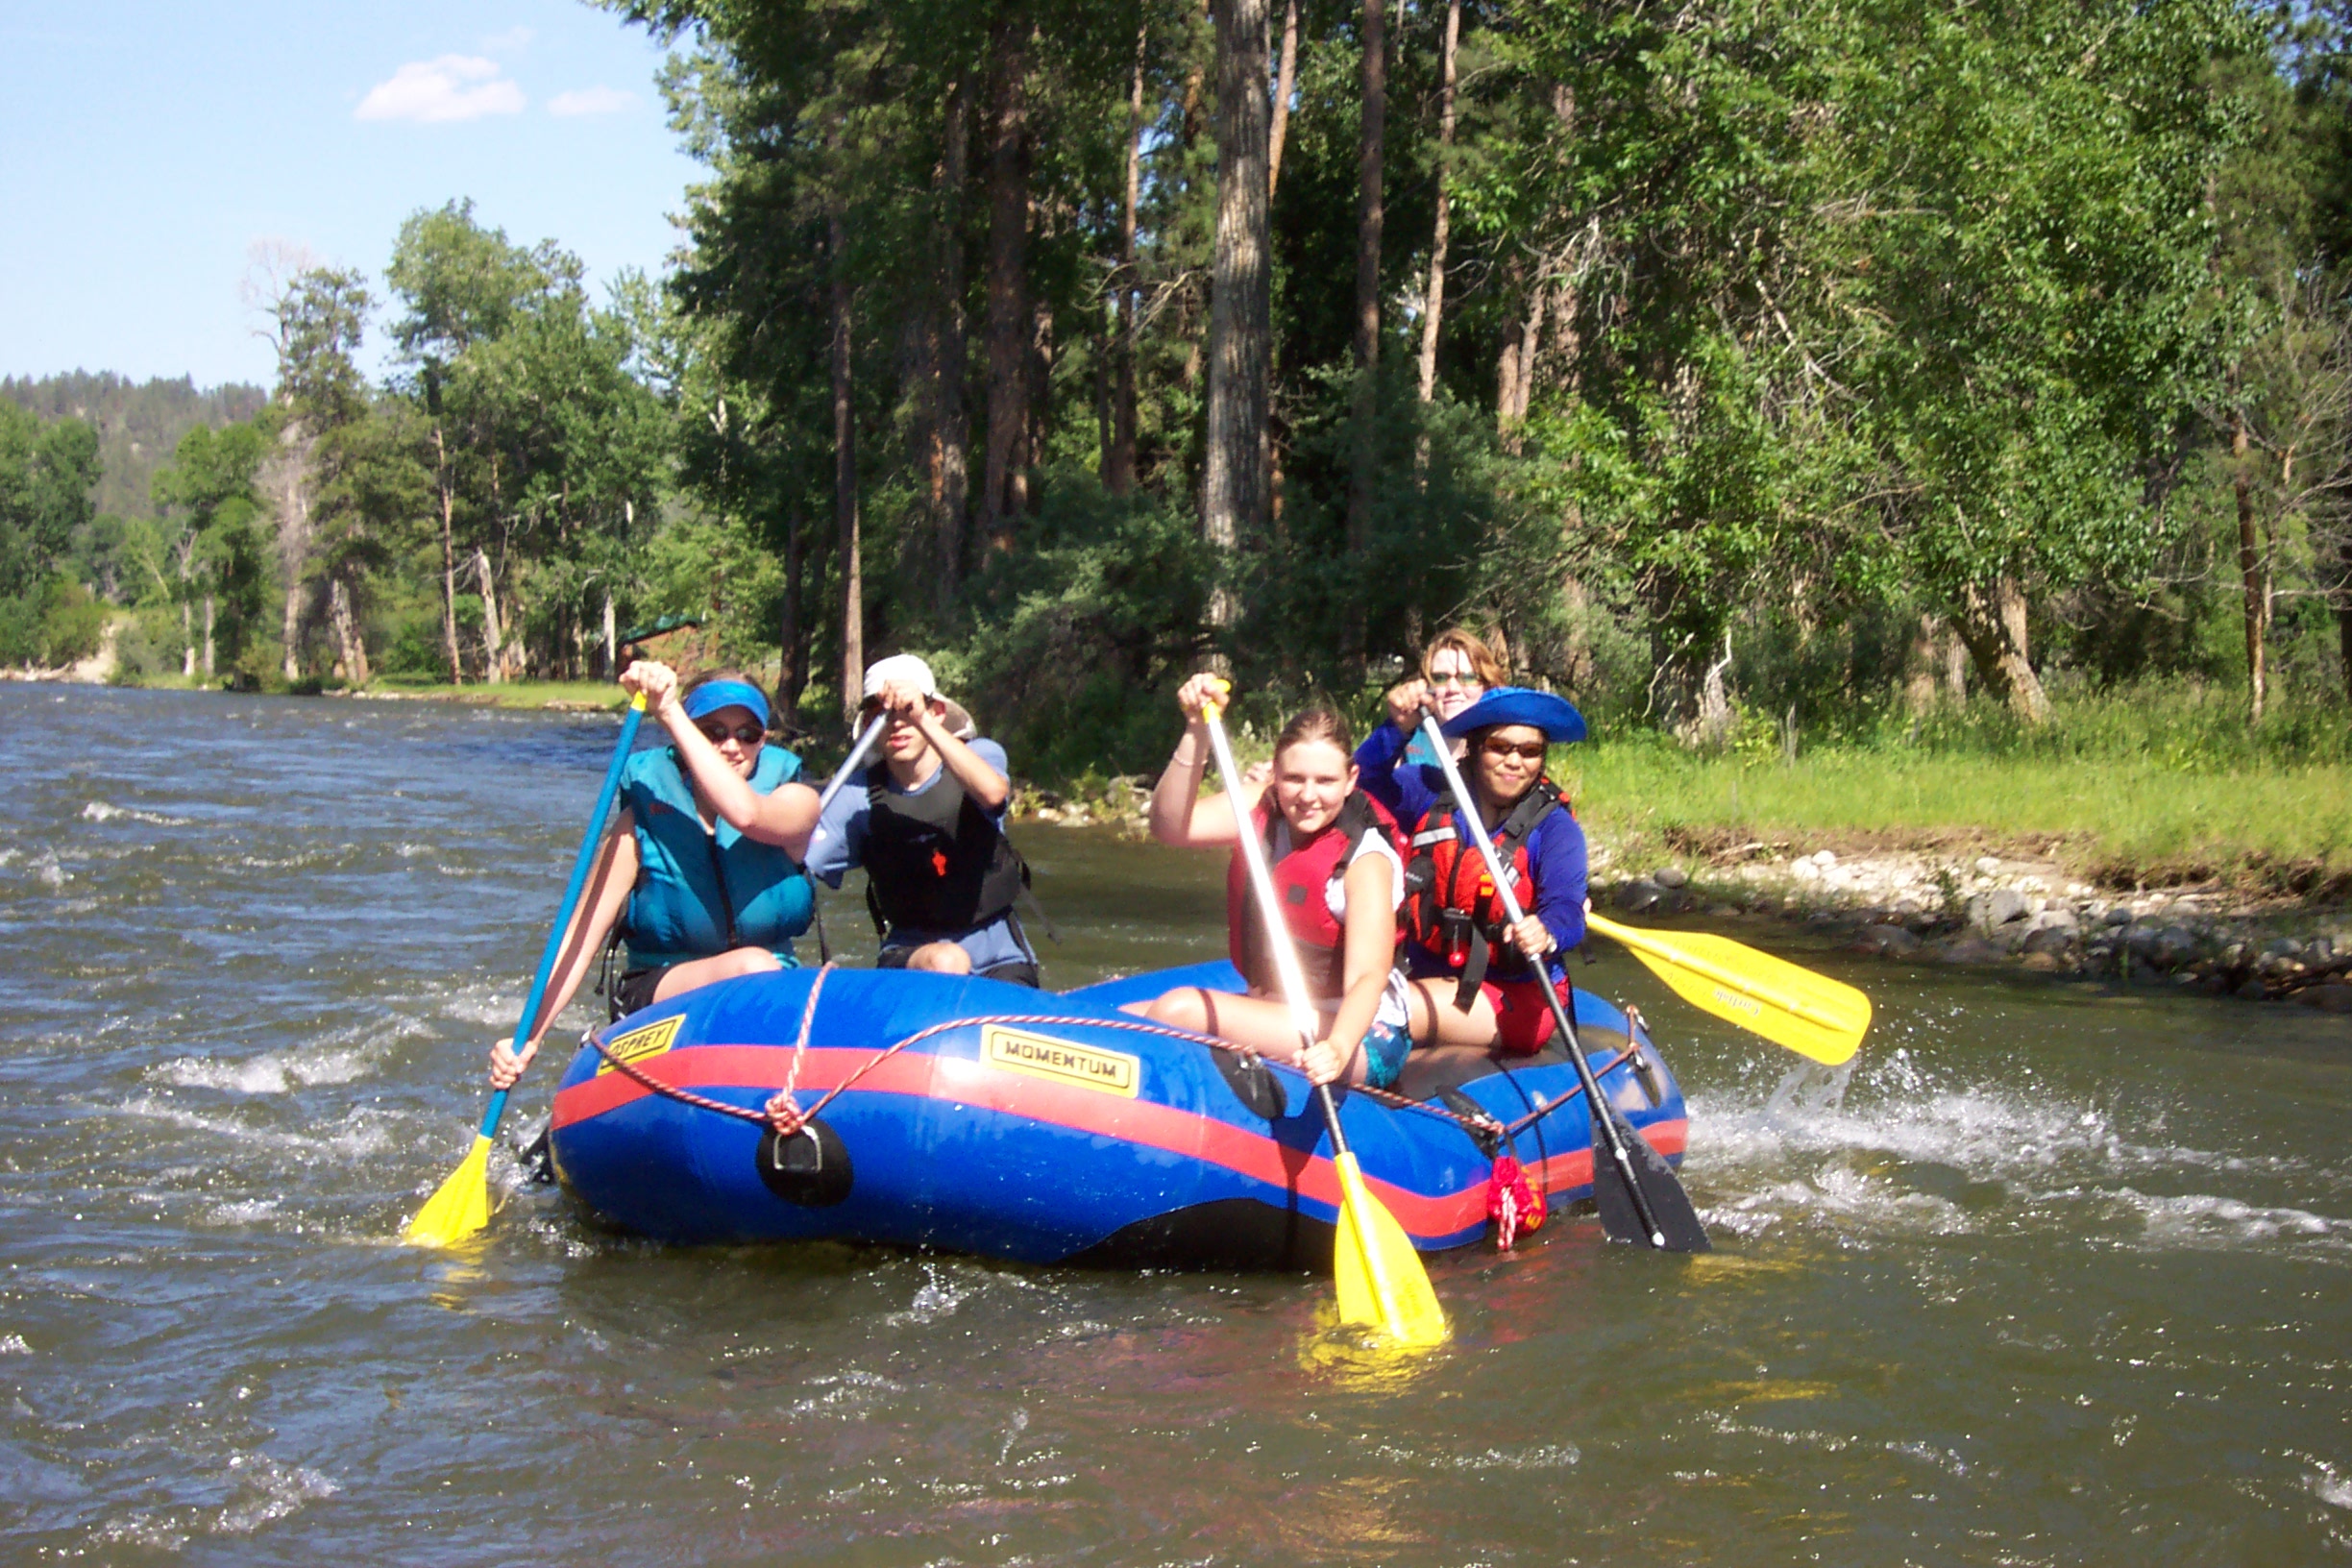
(981, 1118)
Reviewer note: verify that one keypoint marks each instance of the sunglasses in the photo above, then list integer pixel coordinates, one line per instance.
(1454, 677)
(744, 734)
(1529, 751)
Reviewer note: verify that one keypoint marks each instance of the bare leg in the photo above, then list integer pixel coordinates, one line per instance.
(1259, 1022)
(1442, 1032)
(709, 971)
(939, 958)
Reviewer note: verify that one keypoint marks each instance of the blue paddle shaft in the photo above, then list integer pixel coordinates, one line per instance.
(571, 899)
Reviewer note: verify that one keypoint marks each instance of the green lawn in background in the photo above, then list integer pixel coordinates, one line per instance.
(2121, 818)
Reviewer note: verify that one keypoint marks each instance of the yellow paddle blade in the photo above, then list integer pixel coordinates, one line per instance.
(1380, 1275)
(459, 1207)
(1810, 1014)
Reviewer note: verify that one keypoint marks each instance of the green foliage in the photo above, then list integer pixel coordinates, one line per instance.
(47, 473)
(57, 621)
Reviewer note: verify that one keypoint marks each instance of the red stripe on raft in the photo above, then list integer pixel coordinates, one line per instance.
(963, 1081)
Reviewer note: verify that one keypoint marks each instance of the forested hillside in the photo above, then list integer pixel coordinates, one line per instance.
(1741, 366)
(138, 423)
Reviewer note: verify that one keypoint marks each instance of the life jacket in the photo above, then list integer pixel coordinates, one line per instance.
(935, 861)
(702, 893)
(1302, 884)
(1451, 910)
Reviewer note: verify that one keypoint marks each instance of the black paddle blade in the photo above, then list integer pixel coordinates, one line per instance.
(1660, 1191)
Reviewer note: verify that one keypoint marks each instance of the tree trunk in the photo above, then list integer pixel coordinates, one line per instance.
(2343, 610)
(211, 666)
(951, 427)
(1921, 676)
(1579, 675)
(443, 484)
(2254, 570)
(1992, 624)
(494, 636)
(1041, 406)
(1716, 720)
(351, 642)
(1011, 324)
(1433, 305)
(612, 639)
(188, 642)
(1120, 463)
(1372, 130)
(844, 482)
(1285, 81)
(792, 636)
(292, 489)
(1515, 377)
(1233, 480)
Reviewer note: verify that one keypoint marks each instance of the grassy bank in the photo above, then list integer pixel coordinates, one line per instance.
(2162, 788)
(512, 694)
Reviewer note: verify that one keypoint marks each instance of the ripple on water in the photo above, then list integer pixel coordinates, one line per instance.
(99, 811)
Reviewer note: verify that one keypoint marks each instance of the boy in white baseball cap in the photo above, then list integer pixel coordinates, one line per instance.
(928, 823)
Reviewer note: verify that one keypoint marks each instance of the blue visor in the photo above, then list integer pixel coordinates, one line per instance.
(1559, 721)
(712, 696)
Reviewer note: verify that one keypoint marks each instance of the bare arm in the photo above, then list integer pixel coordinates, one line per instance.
(983, 784)
(785, 817)
(1371, 950)
(592, 921)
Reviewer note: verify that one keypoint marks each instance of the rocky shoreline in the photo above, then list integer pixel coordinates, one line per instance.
(1926, 906)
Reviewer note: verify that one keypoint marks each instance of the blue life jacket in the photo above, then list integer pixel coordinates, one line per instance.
(700, 893)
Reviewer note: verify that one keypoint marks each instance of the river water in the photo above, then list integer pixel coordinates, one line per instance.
(2054, 1275)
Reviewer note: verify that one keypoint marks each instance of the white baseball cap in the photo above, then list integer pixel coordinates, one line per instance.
(915, 673)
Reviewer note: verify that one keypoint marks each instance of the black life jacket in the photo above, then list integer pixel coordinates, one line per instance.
(1302, 881)
(935, 861)
(1452, 910)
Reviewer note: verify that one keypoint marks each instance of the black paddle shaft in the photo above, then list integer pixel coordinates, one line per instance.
(1655, 1194)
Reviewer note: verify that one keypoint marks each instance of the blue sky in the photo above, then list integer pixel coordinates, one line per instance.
(146, 148)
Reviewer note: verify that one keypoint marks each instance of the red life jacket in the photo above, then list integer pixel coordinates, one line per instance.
(1451, 910)
(1302, 880)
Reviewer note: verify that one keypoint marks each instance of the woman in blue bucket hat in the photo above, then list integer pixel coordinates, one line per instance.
(1475, 976)
(702, 871)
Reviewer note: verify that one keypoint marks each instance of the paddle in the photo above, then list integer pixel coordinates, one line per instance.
(1637, 1194)
(849, 763)
(461, 1205)
(1379, 1275)
(1810, 1014)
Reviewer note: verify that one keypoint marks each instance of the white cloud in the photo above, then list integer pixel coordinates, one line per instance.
(450, 87)
(599, 100)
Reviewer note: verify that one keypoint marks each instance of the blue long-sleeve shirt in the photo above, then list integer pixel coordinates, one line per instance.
(1556, 850)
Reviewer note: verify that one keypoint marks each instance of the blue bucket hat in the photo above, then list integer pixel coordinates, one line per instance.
(711, 695)
(1559, 721)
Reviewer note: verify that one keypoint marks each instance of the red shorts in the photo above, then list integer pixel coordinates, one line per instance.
(1523, 1019)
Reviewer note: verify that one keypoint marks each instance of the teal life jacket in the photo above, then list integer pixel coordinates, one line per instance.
(701, 893)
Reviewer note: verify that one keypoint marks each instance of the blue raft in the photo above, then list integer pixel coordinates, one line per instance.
(976, 1116)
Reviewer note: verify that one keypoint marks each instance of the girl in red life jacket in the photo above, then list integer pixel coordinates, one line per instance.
(1340, 874)
(1476, 979)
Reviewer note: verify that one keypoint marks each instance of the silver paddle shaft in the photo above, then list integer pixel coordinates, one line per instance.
(1262, 882)
(857, 754)
(1466, 807)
